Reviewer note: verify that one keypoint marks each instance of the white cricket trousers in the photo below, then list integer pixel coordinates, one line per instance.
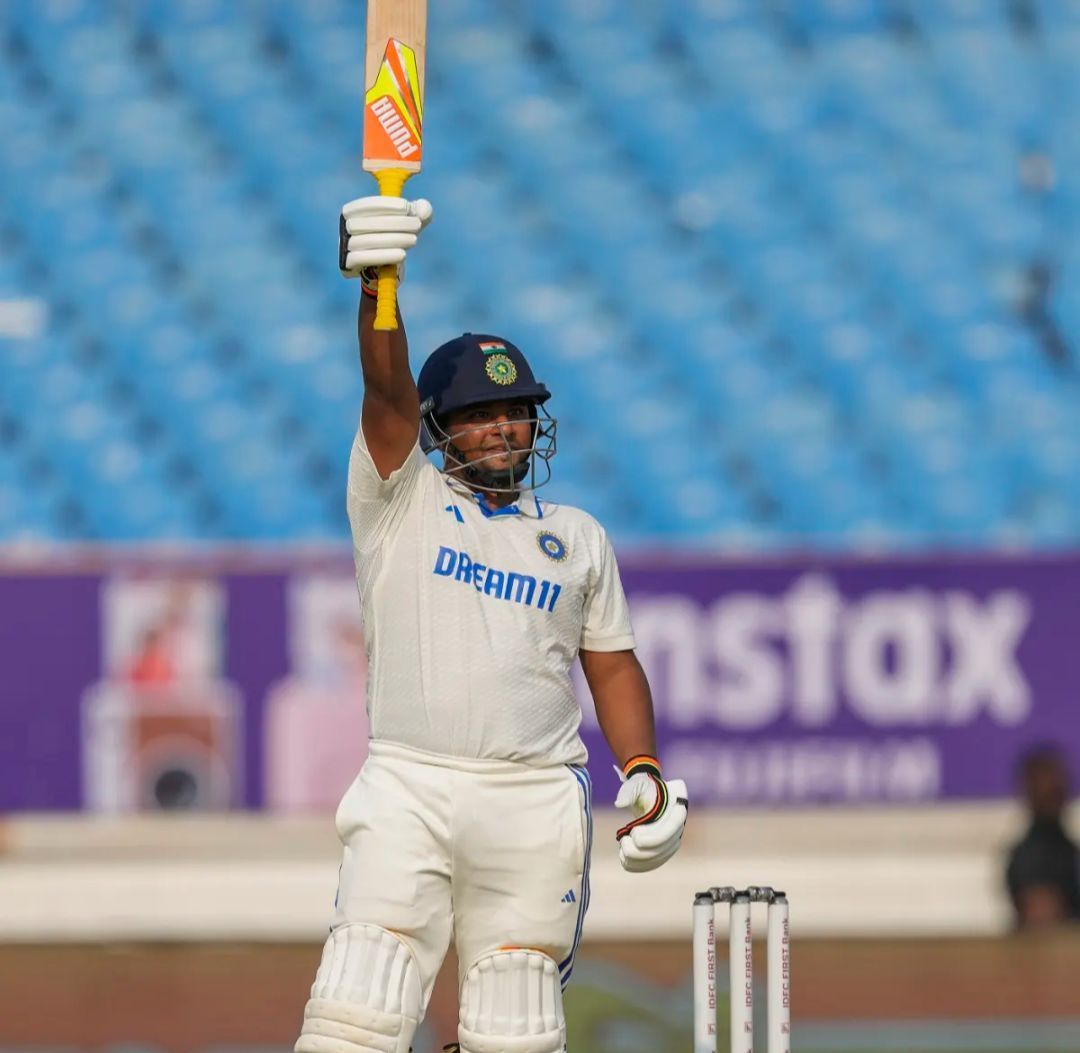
(492, 853)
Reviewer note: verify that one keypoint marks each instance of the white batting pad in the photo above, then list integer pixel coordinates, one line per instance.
(366, 997)
(511, 1002)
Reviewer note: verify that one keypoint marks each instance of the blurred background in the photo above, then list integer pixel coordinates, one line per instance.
(804, 280)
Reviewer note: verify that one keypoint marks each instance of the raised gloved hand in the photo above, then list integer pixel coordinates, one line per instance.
(653, 836)
(378, 231)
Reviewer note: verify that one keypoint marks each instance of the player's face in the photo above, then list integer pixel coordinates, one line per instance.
(483, 433)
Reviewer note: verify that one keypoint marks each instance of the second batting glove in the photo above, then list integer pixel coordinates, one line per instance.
(659, 808)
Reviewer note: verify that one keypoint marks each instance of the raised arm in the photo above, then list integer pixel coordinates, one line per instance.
(391, 410)
(378, 231)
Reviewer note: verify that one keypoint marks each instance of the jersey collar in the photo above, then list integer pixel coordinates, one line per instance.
(526, 499)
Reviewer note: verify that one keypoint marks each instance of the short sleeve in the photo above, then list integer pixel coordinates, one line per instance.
(376, 505)
(606, 626)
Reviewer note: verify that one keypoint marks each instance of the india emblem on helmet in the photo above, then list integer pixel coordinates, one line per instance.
(501, 369)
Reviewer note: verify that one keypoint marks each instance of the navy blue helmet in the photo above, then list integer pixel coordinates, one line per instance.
(470, 370)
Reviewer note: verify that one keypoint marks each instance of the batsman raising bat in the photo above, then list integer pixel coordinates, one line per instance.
(470, 819)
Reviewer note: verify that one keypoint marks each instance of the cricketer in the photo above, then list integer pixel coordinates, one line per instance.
(470, 820)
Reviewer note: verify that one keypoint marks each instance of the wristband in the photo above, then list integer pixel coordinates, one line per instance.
(369, 281)
(642, 762)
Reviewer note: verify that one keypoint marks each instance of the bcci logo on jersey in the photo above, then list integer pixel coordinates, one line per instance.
(499, 584)
(552, 546)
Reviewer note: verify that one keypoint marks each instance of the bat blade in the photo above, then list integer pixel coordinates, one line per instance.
(394, 84)
(393, 112)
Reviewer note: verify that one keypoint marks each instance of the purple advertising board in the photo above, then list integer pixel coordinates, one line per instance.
(775, 683)
(858, 681)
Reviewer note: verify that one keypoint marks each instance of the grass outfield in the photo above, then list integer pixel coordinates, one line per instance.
(610, 1010)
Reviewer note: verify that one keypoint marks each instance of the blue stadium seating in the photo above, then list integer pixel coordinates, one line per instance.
(800, 275)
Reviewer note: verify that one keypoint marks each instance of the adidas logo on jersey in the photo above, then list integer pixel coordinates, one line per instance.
(569, 897)
(500, 584)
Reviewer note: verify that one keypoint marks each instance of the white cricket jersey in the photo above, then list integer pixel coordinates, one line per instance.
(472, 618)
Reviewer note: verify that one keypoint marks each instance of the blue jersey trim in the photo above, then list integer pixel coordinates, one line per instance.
(566, 966)
(491, 513)
(508, 510)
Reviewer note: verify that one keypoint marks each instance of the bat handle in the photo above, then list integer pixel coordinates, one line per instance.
(391, 183)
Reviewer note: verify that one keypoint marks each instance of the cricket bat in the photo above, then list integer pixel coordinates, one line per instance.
(393, 112)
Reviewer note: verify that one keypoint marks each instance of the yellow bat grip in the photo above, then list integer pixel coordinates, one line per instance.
(391, 183)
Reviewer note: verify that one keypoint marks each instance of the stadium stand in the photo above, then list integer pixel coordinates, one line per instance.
(800, 274)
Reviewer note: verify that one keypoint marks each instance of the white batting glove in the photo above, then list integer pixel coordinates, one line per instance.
(378, 231)
(659, 808)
